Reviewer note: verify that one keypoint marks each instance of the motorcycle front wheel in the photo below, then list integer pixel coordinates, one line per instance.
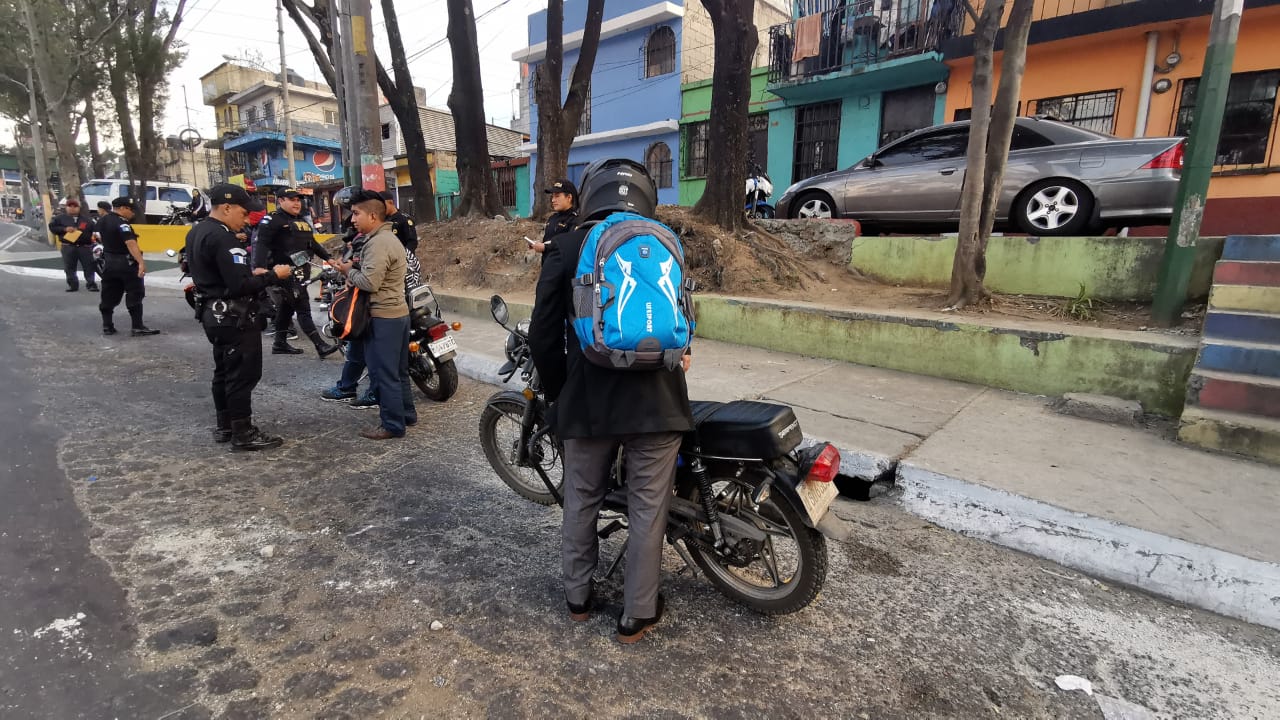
(785, 573)
(438, 383)
(500, 437)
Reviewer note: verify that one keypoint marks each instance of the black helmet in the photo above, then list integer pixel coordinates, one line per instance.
(343, 196)
(616, 185)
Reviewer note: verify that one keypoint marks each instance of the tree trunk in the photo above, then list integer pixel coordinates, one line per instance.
(479, 192)
(557, 124)
(54, 91)
(966, 285)
(96, 162)
(404, 104)
(735, 44)
(1003, 116)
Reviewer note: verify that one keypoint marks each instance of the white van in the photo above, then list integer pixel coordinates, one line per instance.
(160, 195)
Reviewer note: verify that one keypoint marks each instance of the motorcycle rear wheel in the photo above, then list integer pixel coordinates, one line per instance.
(500, 438)
(439, 384)
(790, 568)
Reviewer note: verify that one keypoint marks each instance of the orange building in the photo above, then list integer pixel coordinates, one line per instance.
(1131, 68)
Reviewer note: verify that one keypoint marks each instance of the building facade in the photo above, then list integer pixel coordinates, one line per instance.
(850, 76)
(634, 104)
(1132, 67)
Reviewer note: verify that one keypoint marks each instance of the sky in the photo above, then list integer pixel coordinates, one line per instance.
(212, 28)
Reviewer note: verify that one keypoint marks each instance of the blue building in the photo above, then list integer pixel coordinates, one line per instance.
(633, 109)
(853, 75)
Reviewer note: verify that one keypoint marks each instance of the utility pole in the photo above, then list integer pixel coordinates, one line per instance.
(372, 176)
(42, 168)
(351, 93)
(284, 83)
(1202, 151)
(339, 76)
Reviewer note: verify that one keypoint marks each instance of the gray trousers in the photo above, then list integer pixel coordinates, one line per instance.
(650, 472)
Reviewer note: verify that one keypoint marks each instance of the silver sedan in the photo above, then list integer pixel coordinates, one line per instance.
(1061, 180)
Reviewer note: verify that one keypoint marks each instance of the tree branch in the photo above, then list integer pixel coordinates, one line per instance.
(319, 51)
(968, 8)
(173, 26)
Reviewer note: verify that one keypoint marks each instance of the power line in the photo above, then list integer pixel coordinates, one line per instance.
(445, 39)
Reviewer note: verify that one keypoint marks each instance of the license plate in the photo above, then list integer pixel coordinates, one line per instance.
(442, 347)
(817, 497)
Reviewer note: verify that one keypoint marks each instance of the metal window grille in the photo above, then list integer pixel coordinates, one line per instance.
(506, 179)
(658, 160)
(584, 121)
(660, 52)
(269, 111)
(757, 139)
(696, 139)
(1248, 124)
(1093, 111)
(817, 140)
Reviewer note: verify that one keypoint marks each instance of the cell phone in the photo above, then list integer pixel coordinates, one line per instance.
(526, 239)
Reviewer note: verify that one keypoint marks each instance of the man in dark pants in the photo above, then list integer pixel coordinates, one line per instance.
(74, 229)
(123, 268)
(401, 224)
(228, 310)
(284, 233)
(597, 409)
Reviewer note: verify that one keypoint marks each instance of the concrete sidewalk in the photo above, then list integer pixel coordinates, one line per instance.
(1122, 503)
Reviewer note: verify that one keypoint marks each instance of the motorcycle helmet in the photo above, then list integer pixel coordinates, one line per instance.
(343, 196)
(616, 185)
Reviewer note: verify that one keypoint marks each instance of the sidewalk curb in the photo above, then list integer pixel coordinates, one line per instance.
(1205, 577)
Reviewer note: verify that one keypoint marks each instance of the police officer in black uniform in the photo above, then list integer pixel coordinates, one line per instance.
(283, 233)
(564, 203)
(401, 224)
(122, 267)
(227, 306)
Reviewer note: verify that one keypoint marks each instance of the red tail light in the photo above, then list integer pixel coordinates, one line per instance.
(437, 331)
(1170, 159)
(826, 466)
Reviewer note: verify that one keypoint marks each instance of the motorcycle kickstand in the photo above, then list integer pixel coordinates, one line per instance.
(613, 566)
(686, 557)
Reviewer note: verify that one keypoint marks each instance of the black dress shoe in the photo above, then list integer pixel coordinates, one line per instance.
(73, 289)
(144, 330)
(632, 630)
(92, 288)
(108, 330)
(285, 349)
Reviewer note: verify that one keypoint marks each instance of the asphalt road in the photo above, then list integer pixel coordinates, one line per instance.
(118, 506)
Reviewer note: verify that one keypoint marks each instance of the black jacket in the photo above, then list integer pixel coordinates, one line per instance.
(402, 226)
(113, 232)
(560, 223)
(219, 265)
(63, 223)
(593, 401)
(280, 235)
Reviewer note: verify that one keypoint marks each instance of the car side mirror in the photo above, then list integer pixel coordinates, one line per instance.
(872, 162)
(498, 307)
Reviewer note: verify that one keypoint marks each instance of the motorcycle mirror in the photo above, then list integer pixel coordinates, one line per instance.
(171, 252)
(498, 307)
(299, 258)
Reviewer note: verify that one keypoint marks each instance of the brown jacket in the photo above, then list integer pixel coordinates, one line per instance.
(381, 273)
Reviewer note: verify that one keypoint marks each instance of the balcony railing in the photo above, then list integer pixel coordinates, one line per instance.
(1049, 9)
(859, 34)
(309, 128)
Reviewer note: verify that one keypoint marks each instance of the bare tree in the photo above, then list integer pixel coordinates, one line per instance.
(398, 91)
(733, 22)
(990, 135)
(479, 192)
(558, 124)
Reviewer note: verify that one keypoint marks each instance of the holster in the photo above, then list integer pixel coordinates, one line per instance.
(238, 313)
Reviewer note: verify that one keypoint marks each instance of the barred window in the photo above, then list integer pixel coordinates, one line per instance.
(1093, 111)
(817, 140)
(1248, 121)
(696, 139)
(658, 160)
(660, 52)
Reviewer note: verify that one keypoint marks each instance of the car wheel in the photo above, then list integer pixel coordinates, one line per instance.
(1054, 207)
(813, 205)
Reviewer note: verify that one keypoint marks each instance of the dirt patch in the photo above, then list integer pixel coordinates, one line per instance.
(470, 254)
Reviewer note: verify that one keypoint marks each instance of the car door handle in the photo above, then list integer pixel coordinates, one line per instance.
(947, 171)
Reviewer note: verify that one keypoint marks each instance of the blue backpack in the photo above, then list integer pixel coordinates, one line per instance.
(632, 304)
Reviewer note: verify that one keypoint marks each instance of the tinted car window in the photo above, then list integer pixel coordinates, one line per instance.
(175, 195)
(942, 145)
(1026, 139)
(97, 188)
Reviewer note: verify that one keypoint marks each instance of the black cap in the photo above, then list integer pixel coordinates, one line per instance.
(289, 193)
(125, 201)
(562, 186)
(387, 195)
(103, 205)
(227, 194)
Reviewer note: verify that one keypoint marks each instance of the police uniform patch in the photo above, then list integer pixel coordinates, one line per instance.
(124, 228)
(239, 256)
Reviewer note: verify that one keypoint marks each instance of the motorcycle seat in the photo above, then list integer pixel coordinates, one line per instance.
(745, 428)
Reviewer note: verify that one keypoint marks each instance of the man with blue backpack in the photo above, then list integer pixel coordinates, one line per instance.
(610, 333)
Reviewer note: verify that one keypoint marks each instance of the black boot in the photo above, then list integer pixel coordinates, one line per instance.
(222, 432)
(281, 346)
(244, 436)
(323, 349)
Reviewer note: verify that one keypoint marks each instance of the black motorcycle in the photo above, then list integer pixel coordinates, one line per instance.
(748, 505)
(431, 349)
(178, 215)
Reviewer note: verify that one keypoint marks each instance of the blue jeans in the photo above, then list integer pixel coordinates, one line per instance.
(386, 351)
(354, 366)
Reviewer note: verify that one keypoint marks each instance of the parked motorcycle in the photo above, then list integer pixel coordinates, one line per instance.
(759, 188)
(178, 215)
(431, 349)
(750, 510)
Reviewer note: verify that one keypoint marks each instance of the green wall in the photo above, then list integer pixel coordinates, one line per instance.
(1111, 268)
(695, 106)
(524, 205)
